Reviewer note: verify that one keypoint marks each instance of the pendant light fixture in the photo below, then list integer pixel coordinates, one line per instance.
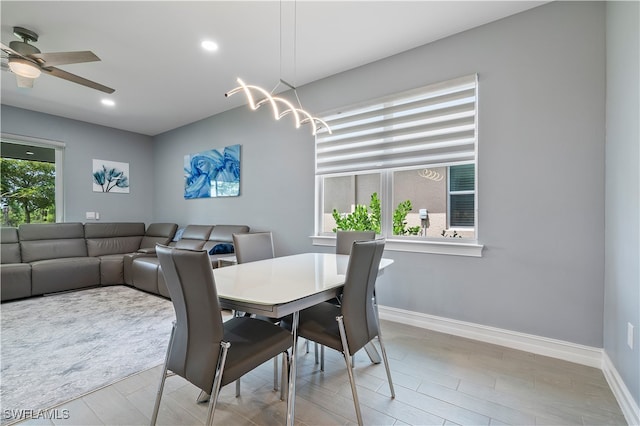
(257, 96)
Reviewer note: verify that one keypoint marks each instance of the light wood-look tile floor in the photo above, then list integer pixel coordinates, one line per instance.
(439, 380)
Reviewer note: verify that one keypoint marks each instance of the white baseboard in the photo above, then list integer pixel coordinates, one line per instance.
(567, 351)
(585, 355)
(627, 404)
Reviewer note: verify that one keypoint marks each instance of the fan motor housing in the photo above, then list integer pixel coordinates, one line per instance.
(23, 48)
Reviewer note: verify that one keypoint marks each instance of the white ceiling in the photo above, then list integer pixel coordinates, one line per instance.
(151, 52)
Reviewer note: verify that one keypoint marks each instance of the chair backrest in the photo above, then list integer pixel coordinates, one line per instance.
(360, 321)
(252, 247)
(345, 239)
(199, 330)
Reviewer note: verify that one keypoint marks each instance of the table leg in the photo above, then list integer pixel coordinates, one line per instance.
(291, 398)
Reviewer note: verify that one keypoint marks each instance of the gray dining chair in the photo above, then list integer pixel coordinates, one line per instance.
(251, 247)
(348, 327)
(345, 239)
(344, 242)
(203, 349)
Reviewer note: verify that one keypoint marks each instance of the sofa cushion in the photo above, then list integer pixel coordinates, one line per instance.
(105, 246)
(50, 231)
(145, 273)
(112, 269)
(10, 247)
(51, 241)
(113, 229)
(112, 238)
(224, 233)
(194, 237)
(158, 233)
(52, 249)
(53, 275)
(15, 280)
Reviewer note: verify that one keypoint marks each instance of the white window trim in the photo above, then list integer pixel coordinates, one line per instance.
(59, 153)
(467, 248)
(448, 246)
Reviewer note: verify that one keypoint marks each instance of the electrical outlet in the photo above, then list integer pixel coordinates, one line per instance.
(630, 335)
(91, 215)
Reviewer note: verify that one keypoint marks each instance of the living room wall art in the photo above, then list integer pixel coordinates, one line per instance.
(110, 176)
(212, 173)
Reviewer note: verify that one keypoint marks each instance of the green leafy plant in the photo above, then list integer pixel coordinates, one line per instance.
(362, 218)
(400, 220)
(365, 218)
(453, 235)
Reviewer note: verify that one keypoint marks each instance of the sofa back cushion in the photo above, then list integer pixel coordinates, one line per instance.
(194, 237)
(40, 241)
(224, 234)
(161, 233)
(10, 246)
(113, 238)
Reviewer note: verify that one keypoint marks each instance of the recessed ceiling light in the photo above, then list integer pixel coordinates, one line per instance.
(209, 45)
(108, 102)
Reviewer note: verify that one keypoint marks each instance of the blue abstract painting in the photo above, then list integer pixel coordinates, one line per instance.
(212, 173)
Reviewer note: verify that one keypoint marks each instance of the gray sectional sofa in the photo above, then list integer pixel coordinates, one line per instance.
(145, 269)
(38, 259)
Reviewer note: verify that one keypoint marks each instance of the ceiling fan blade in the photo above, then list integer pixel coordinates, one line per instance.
(63, 58)
(9, 50)
(57, 72)
(24, 81)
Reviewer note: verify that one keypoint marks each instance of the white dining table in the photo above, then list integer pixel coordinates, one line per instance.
(281, 286)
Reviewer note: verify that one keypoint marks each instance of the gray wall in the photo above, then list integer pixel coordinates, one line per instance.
(84, 142)
(622, 224)
(541, 173)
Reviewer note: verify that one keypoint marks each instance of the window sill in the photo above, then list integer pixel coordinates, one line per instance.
(472, 249)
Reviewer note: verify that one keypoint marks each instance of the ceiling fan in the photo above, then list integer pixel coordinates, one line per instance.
(27, 62)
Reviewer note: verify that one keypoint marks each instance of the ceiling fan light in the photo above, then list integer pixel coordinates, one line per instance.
(24, 68)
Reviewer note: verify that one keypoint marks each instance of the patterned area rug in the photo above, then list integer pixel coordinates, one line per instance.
(59, 347)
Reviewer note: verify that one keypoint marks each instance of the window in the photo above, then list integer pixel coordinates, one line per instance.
(412, 156)
(31, 180)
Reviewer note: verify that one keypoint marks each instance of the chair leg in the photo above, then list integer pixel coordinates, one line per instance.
(156, 407)
(275, 373)
(347, 360)
(215, 388)
(284, 381)
(237, 388)
(321, 358)
(382, 348)
(386, 364)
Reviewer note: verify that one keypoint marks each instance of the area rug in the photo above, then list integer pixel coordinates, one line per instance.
(59, 347)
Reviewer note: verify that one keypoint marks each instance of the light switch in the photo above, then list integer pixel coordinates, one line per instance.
(91, 215)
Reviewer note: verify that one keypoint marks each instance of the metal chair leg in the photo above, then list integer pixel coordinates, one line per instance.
(284, 385)
(275, 373)
(382, 348)
(237, 388)
(215, 389)
(347, 360)
(156, 407)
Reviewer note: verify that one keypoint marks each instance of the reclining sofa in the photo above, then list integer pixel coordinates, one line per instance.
(37, 259)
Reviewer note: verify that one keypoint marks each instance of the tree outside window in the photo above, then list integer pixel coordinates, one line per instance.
(28, 191)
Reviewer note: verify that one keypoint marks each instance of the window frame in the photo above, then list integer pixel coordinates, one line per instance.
(421, 244)
(59, 164)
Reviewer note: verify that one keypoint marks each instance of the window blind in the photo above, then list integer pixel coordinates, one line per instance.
(432, 125)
